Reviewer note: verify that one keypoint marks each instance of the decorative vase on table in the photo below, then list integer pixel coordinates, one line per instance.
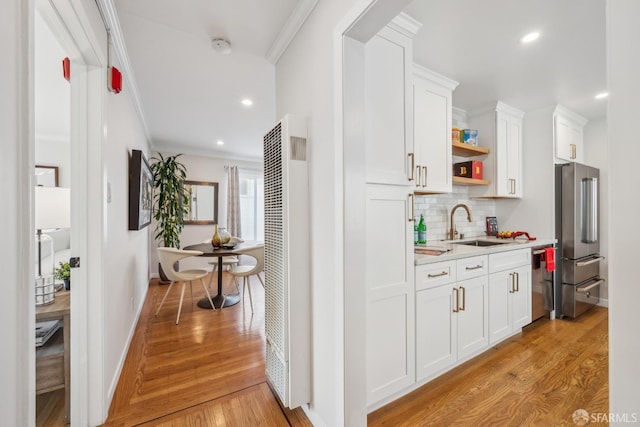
(224, 236)
(215, 240)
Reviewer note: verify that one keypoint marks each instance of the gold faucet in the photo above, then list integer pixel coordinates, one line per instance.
(461, 205)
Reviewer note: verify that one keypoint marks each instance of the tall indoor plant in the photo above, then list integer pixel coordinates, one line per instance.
(170, 200)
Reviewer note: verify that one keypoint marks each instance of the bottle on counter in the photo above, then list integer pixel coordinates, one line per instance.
(422, 231)
(415, 231)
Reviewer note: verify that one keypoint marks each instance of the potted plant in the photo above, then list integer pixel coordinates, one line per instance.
(170, 200)
(63, 272)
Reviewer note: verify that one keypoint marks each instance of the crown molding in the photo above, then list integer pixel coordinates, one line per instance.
(112, 24)
(405, 24)
(290, 29)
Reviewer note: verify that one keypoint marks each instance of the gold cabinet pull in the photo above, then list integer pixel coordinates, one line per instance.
(419, 173)
(464, 293)
(413, 209)
(517, 281)
(410, 155)
(455, 310)
(424, 176)
(512, 290)
(444, 273)
(474, 268)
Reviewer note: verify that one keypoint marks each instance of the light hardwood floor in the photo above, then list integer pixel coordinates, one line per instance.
(209, 371)
(538, 378)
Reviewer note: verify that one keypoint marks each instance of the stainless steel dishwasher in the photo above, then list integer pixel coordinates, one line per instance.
(541, 284)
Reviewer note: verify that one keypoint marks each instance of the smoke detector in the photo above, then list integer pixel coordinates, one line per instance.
(221, 46)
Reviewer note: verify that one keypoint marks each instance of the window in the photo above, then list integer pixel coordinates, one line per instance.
(252, 204)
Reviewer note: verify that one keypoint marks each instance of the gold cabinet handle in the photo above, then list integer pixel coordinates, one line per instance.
(517, 281)
(424, 176)
(474, 268)
(464, 293)
(413, 208)
(512, 290)
(419, 173)
(455, 310)
(411, 156)
(573, 151)
(431, 276)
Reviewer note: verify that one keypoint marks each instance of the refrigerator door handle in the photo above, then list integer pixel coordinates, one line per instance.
(591, 261)
(589, 210)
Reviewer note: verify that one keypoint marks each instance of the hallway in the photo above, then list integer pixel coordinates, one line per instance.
(208, 370)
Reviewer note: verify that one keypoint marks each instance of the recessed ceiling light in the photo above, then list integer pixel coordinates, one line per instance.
(247, 102)
(602, 95)
(530, 37)
(220, 142)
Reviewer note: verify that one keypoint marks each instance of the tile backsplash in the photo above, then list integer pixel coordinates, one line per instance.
(437, 209)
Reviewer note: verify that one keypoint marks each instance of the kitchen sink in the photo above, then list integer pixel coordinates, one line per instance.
(479, 243)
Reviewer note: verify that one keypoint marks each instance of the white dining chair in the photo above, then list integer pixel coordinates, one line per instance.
(246, 271)
(168, 258)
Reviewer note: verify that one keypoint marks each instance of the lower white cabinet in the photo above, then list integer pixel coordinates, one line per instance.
(509, 295)
(451, 323)
(390, 291)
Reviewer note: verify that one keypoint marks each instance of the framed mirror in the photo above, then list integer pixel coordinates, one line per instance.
(47, 176)
(203, 202)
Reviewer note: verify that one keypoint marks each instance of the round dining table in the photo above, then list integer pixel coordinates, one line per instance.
(208, 250)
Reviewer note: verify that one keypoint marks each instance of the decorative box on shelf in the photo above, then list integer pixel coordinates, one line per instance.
(468, 169)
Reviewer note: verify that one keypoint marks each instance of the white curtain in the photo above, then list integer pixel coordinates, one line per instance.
(233, 201)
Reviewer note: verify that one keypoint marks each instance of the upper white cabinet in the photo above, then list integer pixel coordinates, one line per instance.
(568, 134)
(500, 130)
(432, 112)
(388, 108)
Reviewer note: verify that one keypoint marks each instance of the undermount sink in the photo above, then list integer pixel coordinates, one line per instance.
(479, 243)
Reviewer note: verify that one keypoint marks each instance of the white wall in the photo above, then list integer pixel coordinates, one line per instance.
(596, 155)
(624, 151)
(126, 262)
(304, 86)
(55, 153)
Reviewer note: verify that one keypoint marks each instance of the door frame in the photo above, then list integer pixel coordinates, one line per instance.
(69, 20)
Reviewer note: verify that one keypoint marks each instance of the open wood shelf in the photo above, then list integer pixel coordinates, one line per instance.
(458, 180)
(466, 150)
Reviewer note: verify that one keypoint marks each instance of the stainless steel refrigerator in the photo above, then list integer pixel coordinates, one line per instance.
(577, 230)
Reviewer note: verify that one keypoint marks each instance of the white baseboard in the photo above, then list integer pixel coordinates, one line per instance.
(123, 356)
(603, 302)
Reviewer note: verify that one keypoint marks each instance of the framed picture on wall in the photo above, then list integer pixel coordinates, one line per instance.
(140, 191)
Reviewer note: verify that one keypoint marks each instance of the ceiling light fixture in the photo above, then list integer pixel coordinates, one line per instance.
(601, 95)
(530, 37)
(221, 45)
(247, 102)
(220, 142)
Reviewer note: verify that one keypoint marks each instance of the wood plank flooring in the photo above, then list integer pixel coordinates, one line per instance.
(538, 378)
(207, 371)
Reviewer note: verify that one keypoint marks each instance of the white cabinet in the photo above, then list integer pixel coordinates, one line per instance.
(500, 130)
(388, 230)
(432, 116)
(388, 108)
(568, 134)
(451, 318)
(509, 293)
(390, 291)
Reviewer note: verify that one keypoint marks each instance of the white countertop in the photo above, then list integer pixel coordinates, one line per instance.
(457, 251)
